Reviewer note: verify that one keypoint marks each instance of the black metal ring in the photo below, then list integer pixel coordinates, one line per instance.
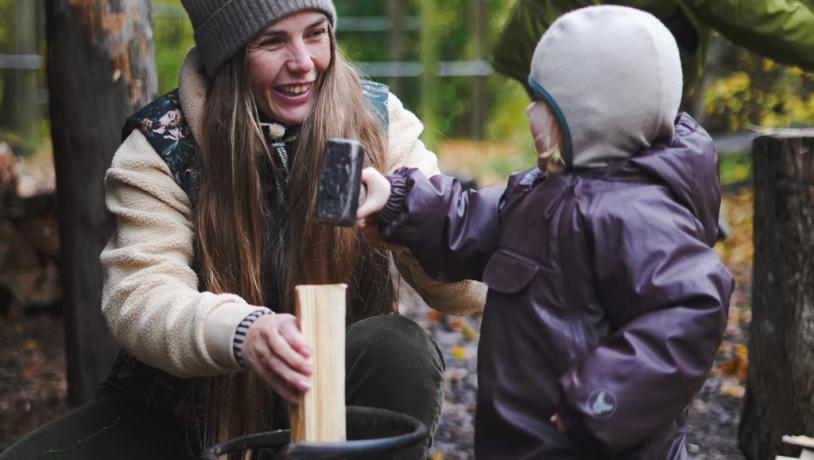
(365, 419)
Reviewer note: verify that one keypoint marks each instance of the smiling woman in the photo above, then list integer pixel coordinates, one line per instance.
(213, 189)
(286, 61)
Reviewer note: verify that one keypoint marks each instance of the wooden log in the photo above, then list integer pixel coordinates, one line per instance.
(321, 414)
(805, 442)
(780, 381)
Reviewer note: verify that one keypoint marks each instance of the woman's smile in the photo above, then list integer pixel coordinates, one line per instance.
(294, 94)
(295, 90)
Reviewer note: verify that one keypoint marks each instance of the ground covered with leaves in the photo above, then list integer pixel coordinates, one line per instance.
(33, 389)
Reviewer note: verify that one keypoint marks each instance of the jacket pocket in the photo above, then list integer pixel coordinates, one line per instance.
(508, 272)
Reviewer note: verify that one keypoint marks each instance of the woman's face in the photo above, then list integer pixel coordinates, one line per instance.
(286, 61)
(541, 120)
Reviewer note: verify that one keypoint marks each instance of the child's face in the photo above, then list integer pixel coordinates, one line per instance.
(541, 119)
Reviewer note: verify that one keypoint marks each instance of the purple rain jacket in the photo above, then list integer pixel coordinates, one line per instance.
(606, 303)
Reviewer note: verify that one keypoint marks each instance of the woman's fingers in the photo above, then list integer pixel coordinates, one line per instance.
(269, 351)
(287, 374)
(290, 331)
(284, 390)
(281, 346)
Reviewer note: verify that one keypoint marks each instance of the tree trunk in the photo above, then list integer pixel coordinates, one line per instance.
(429, 77)
(396, 11)
(478, 121)
(20, 103)
(100, 69)
(780, 381)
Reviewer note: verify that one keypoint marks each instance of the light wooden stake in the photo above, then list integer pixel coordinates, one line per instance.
(320, 416)
(805, 442)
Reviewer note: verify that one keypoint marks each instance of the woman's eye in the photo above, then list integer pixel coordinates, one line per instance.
(316, 33)
(270, 43)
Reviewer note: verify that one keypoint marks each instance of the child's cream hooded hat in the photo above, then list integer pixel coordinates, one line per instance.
(612, 76)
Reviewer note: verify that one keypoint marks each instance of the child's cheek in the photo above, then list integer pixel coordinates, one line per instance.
(540, 143)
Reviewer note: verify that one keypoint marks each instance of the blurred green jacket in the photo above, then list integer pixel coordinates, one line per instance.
(782, 30)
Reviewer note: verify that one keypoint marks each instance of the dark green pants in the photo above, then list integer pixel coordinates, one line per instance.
(391, 364)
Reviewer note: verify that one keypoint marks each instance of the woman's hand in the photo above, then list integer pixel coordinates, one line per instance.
(276, 350)
(377, 192)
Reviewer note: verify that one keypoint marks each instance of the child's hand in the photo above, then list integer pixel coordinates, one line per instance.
(557, 422)
(377, 192)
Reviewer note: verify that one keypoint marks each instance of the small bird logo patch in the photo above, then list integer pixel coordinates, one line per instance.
(601, 404)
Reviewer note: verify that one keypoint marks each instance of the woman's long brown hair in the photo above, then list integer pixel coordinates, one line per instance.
(228, 219)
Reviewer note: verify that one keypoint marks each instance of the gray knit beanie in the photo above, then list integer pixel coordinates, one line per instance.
(612, 76)
(222, 27)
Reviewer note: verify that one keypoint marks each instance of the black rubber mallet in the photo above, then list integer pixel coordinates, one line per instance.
(340, 182)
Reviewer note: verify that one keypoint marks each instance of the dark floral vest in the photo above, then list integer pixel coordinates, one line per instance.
(163, 124)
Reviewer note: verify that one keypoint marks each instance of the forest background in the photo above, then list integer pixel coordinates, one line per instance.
(475, 121)
(739, 90)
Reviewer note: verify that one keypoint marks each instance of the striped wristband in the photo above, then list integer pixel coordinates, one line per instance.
(240, 333)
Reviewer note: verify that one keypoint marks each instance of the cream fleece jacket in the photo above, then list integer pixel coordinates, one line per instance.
(150, 298)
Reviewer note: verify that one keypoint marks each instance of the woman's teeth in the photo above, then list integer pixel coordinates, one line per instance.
(293, 90)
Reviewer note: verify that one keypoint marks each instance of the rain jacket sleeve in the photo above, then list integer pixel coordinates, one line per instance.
(435, 219)
(407, 150)
(666, 294)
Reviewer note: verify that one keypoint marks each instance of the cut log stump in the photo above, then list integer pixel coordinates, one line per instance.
(780, 381)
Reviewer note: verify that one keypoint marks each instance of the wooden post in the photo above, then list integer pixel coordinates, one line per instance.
(780, 379)
(321, 414)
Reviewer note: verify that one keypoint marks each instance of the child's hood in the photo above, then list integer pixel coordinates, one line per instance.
(688, 165)
(612, 75)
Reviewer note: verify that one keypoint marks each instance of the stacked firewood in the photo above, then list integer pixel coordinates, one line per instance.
(29, 241)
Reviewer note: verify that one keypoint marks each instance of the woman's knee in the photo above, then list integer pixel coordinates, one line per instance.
(395, 343)
(393, 364)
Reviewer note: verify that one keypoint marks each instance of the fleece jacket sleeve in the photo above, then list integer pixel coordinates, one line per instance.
(150, 297)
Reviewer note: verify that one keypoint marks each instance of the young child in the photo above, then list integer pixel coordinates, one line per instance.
(606, 303)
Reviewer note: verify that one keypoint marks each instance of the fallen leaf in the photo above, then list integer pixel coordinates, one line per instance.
(434, 315)
(741, 361)
(469, 332)
(732, 388)
(458, 352)
(456, 323)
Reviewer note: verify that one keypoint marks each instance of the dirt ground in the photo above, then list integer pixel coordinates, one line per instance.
(32, 374)
(33, 388)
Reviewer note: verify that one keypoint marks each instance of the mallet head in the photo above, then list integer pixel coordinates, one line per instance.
(340, 182)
